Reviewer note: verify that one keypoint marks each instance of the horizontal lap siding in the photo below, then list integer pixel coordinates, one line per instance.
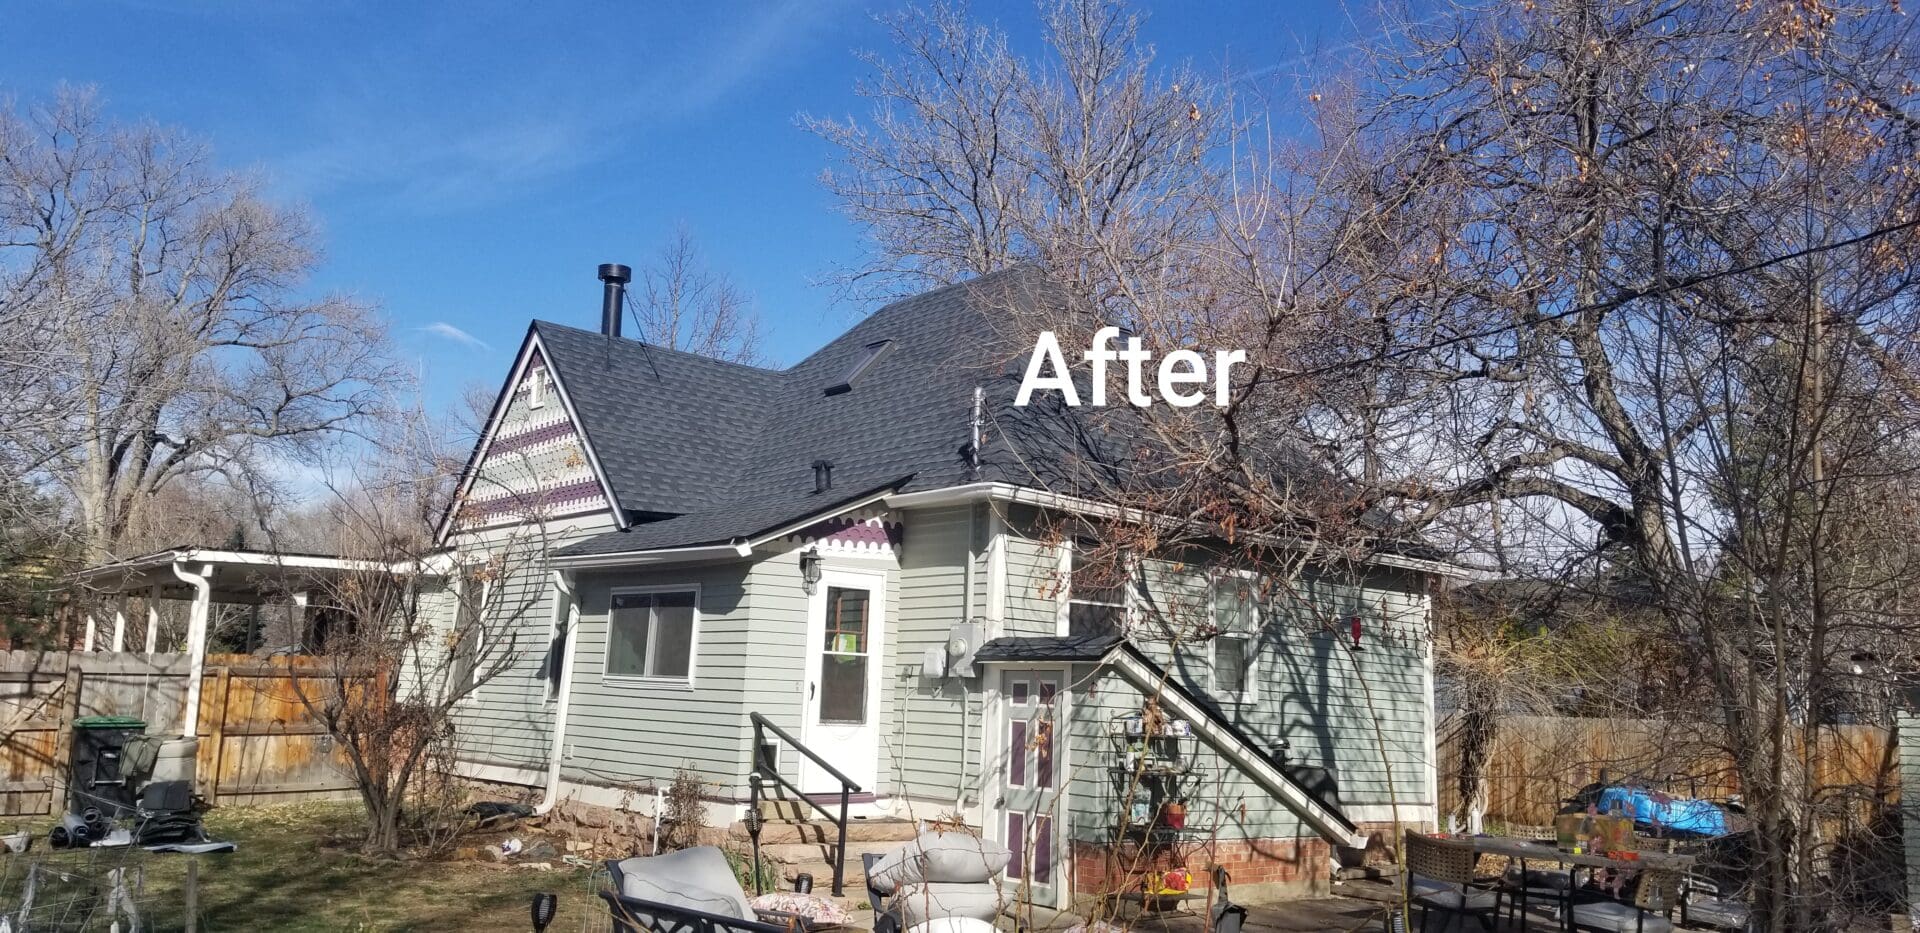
(638, 734)
(1221, 800)
(1363, 713)
(508, 720)
(1033, 570)
(935, 735)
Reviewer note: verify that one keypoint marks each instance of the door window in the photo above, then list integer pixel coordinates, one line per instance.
(844, 657)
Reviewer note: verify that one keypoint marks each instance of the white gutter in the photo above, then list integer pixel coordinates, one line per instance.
(1007, 492)
(196, 642)
(565, 586)
(1250, 761)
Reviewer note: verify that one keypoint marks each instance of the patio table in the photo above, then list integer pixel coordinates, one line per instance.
(1534, 850)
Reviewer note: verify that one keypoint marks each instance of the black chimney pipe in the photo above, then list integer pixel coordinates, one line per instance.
(616, 276)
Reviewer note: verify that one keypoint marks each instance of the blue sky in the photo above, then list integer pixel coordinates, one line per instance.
(471, 163)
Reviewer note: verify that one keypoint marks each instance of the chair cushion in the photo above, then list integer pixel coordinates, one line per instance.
(955, 925)
(1615, 917)
(1474, 899)
(941, 858)
(1717, 912)
(699, 878)
(918, 903)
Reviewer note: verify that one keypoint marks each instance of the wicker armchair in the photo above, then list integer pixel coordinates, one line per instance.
(1441, 878)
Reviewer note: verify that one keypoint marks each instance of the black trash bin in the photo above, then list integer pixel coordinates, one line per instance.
(95, 779)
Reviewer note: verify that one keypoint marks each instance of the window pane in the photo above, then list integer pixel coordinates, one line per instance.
(1095, 581)
(1233, 604)
(627, 634)
(1094, 619)
(846, 621)
(1043, 850)
(1229, 664)
(843, 688)
(1017, 753)
(1017, 841)
(1043, 751)
(673, 638)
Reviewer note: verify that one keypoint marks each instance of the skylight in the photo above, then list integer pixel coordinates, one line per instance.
(871, 356)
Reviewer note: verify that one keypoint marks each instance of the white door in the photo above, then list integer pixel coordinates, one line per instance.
(1030, 741)
(846, 634)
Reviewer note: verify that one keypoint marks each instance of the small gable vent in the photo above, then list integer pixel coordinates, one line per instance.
(822, 475)
(870, 356)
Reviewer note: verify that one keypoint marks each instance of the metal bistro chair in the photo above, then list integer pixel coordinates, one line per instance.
(1654, 898)
(1440, 878)
(1530, 888)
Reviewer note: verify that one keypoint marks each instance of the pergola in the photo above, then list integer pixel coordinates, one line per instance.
(202, 577)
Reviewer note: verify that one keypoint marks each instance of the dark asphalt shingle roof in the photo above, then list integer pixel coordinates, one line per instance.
(1061, 649)
(728, 450)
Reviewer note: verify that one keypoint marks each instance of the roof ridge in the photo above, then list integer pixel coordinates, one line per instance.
(651, 347)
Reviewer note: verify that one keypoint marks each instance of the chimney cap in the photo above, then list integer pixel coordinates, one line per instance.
(615, 272)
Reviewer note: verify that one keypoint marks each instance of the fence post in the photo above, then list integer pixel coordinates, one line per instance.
(222, 683)
(63, 736)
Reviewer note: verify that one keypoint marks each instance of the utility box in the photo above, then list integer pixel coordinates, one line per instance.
(96, 777)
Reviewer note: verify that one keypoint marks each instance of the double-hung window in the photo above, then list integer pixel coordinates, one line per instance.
(1096, 594)
(1236, 640)
(469, 628)
(652, 634)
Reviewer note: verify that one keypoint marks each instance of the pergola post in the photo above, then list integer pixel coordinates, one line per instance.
(153, 616)
(196, 642)
(120, 624)
(93, 629)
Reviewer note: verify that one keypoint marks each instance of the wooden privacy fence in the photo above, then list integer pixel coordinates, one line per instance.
(1536, 762)
(258, 743)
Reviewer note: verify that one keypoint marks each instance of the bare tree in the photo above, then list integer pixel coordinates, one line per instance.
(684, 305)
(169, 340)
(974, 158)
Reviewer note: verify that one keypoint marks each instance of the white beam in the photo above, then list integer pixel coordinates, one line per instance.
(196, 642)
(153, 616)
(93, 627)
(120, 623)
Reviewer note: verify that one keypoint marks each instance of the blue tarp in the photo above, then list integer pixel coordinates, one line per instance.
(1674, 814)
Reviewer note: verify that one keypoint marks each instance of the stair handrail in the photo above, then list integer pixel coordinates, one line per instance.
(766, 769)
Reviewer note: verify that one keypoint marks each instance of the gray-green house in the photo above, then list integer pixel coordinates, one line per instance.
(850, 549)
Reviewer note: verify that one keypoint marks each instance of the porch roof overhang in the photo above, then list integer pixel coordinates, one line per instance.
(1150, 679)
(238, 575)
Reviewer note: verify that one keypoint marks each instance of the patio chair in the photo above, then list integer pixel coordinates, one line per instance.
(690, 891)
(1441, 879)
(884, 920)
(1654, 898)
(1704, 903)
(936, 877)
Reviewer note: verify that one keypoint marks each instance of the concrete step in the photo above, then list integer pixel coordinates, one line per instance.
(795, 853)
(822, 872)
(877, 829)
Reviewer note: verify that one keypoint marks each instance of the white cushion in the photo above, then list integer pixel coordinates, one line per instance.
(918, 903)
(954, 925)
(699, 878)
(939, 857)
(1615, 917)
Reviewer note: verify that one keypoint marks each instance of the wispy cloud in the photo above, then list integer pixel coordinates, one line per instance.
(455, 334)
(430, 141)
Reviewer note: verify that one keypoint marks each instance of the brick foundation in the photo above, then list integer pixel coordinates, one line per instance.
(1260, 870)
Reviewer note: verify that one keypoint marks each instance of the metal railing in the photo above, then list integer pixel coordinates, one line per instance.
(764, 768)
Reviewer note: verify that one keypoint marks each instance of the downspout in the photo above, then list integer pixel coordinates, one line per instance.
(196, 643)
(960, 784)
(564, 584)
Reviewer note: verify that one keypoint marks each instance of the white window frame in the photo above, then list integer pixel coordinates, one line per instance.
(466, 565)
(537, 388)
(1063, 625)
(1249, 636)
(693, 642)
